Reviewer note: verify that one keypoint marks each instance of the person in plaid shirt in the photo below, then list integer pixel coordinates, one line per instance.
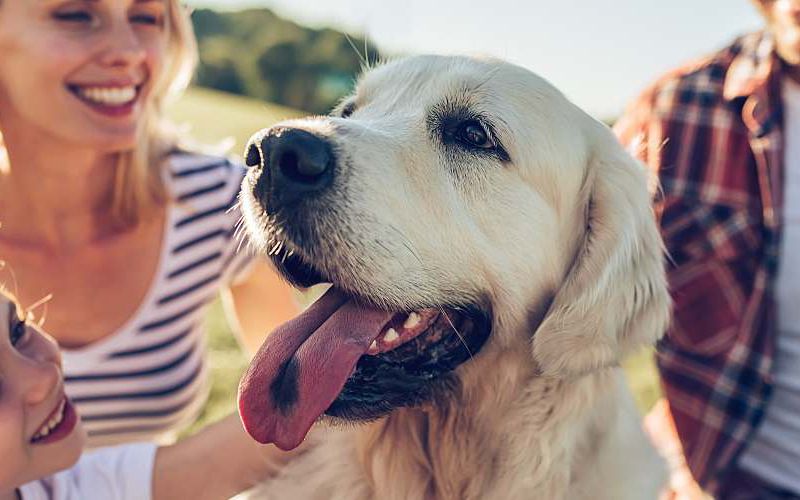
(723, 135)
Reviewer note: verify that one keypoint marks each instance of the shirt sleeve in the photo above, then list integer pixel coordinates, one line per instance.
(118, 473)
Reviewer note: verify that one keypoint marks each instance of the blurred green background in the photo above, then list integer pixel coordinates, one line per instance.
(256, 53)
(257, 69)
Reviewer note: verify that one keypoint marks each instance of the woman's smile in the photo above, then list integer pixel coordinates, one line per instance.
(109, 99)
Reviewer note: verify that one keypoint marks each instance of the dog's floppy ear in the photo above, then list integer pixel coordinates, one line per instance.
(614, 298)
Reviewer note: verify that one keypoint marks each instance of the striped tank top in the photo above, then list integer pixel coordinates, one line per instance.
(147, 380)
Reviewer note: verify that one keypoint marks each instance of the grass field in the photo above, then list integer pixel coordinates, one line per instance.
(214, 117)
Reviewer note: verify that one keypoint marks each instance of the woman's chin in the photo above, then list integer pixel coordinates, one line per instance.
(109, 141)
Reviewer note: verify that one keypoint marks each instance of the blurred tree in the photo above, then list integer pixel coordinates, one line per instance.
(256, 53)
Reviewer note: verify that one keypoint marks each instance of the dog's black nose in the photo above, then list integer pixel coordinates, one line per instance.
(296, 164)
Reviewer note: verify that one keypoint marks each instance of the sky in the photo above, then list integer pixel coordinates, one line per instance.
(600, 53)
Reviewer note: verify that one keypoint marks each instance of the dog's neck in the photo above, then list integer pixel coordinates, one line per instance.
(464, 447)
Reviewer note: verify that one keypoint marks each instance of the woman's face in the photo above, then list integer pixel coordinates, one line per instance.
(79, 71)
(40, 433)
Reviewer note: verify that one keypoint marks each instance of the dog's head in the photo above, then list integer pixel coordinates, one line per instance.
(457, 206)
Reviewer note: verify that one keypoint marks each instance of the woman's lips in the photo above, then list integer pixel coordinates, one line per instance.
(109, 100)
(58, 425)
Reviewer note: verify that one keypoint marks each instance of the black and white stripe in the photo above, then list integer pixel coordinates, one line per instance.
(148, 380)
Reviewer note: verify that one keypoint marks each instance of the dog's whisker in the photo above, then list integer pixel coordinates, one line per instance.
(234, 207)
(276, 248)
(409, 246)
(383, 245)
(458, 334)
(239, 226)
(240, 237)
(366, 52)
(286, 255)
(488, 78)
(364, 61)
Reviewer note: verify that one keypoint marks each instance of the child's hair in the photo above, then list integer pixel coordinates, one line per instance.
(8, 294)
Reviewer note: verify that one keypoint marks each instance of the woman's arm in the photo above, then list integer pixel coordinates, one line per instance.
(259, 303)
(216, 463)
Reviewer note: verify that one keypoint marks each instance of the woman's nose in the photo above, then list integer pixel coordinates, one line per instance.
(124, 48)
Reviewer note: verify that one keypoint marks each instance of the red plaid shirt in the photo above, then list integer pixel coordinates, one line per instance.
(713, 133)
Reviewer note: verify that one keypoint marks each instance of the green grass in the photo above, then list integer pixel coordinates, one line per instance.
(643, 379)
(215, 117)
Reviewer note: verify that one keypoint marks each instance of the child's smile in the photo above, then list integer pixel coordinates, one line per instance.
(40, 432)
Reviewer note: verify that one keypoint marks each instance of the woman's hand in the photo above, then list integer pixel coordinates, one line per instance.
(258, 304)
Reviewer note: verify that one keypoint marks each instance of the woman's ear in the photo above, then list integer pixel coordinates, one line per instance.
(614, 299)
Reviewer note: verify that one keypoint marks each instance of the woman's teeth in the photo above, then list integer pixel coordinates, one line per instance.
(51, 424)
(110, 96)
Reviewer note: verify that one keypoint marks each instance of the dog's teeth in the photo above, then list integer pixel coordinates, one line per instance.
(391, 335)
(373, 346)
(412, 320)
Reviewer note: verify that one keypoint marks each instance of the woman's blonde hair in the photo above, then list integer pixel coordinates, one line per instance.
(139, 188)
(139, 185)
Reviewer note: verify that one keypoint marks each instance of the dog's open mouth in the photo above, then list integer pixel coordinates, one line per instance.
(346, 358)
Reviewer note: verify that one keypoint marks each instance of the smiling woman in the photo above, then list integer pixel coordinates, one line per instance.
(103, 211)
(49, 57)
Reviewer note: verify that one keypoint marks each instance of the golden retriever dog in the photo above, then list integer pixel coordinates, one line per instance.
(493, 256)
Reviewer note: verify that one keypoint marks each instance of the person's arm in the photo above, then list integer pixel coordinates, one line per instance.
(218, 462)
(258, 303)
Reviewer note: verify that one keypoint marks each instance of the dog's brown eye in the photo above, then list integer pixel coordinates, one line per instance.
(473, 133)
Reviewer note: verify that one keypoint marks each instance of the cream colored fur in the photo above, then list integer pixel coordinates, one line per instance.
(560, 241)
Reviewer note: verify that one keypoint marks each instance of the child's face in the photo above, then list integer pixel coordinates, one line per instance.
(40, 432)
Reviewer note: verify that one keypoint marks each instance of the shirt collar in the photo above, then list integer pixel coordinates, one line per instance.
(751, 69)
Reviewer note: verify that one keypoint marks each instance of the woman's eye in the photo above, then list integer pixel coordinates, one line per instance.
(473, 133)
(77, 16)
(146, 19)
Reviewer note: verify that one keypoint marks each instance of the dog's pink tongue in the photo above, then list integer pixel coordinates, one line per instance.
(303, 365)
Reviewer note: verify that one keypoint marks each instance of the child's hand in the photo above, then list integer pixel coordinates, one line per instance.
(217, 462)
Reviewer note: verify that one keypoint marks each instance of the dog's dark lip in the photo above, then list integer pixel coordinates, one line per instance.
(297, 271)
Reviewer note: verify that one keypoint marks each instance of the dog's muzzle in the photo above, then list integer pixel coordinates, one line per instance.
(294, 164)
